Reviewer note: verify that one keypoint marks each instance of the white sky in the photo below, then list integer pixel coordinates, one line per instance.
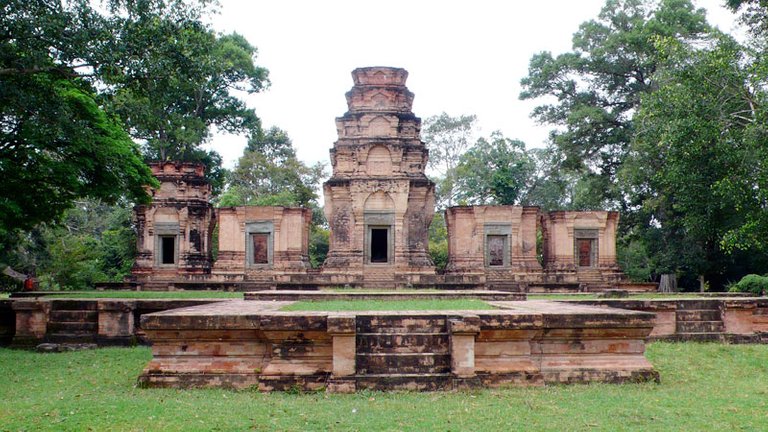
(462, 57)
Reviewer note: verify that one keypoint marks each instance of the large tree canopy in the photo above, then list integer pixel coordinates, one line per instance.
(596, 88)
(447, 138)
(494, 171)
(81, 84)
(269, 173)
(698, 166)
(57, 143)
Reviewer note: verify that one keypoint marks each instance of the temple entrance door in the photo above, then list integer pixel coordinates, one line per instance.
(584, 248)
(260, 245)
(379, 245)
(167, 250)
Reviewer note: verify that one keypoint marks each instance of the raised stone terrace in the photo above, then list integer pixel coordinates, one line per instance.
(241, 344)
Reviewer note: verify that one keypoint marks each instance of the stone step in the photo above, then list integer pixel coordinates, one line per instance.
(700, 327)
(388, 285)
(74, 305)
(400, 324)
(504, 286)
(70, 338)
(422, 363)
(381, 343)
(698, 315)
(699, 337)
(155, 286)
(75, 315)
(698, 304)
(409, 382)
(70, 326)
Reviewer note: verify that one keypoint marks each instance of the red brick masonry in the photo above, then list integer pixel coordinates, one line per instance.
(249, 343)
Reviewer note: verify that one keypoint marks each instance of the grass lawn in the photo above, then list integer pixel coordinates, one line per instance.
(704, 387)
(148, 294)
(639, 296)
(388, 305)
(381, 290)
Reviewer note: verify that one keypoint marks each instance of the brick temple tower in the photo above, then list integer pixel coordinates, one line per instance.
(378, 202)
(174, 232)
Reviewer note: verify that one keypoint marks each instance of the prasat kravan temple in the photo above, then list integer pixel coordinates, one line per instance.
(379, 204)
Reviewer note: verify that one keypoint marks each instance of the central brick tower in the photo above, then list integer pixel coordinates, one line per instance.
(378, 202)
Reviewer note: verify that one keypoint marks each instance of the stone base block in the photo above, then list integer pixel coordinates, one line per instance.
(245, 343)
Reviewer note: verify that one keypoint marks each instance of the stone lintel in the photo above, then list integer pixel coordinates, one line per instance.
(464, 325)
(341, 325)
(116, 305)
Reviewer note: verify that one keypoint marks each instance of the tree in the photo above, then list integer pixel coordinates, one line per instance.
(57, 143)
(172, 79)
(447, 139)
(597, 87)
(494, 171)
(92, 242)
(269, 173)
(698, 166)
(550, 187)
(438, 241)
(182, 85)
(753, 14)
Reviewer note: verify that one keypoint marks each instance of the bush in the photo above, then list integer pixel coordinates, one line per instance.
(439, 254)
(751, 283)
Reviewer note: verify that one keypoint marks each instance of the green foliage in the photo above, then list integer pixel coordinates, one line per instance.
(93, 242)
(58, 145)
(753, 14)
(319, 243)
(269, 173)
(181, 85)
(438, 241)
(634, 259)
(493, 171)
(752, 283)
(697, 168)
(447, 138)
(596, 88)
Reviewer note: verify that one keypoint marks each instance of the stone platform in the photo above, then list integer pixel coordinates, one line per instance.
(270, 295)
(242, 344)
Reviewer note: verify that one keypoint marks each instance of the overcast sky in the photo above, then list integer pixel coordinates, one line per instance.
(462, 58)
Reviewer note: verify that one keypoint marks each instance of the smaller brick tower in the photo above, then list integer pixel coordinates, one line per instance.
(174, 232)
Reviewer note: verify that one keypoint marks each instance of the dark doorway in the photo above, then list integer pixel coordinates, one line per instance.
(168, 250)
(379, 245)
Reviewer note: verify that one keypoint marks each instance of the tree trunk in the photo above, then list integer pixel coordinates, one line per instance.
(668, 283)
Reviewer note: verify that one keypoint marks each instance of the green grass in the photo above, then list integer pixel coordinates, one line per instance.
(388, 305)
(380, 290)
(149, 294)
(639, 296)
(704, 387)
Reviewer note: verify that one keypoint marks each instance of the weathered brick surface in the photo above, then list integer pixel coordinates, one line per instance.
(31, 321)
(378, 180)
(180, 207)
(527, 343)
(403, 343)
(325, 295)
